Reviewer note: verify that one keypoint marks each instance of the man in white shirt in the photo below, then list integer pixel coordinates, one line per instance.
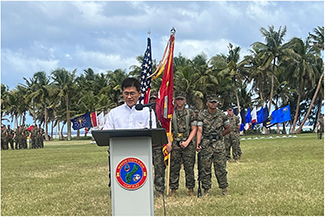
(126, 116)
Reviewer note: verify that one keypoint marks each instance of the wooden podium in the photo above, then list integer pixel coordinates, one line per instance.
(131, 168)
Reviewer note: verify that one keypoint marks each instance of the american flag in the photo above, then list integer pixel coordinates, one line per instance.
(146, 72)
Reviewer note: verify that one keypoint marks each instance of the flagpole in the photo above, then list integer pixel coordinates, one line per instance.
(168, 166)
(172, 31)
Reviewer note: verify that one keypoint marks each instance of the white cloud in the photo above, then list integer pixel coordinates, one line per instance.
(103, 60)
(191, 48)
(23, 64)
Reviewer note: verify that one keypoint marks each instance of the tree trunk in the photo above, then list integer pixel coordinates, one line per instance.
(311, 104)
(61, 135)
(296, 115)
(319, 107)
(86, 131)
(272, 84)
(57, 131)
(78, 134)
(16, 122)
(68, 117)
(45, 123)
(52, 127)
(237, 99)
(284, 131)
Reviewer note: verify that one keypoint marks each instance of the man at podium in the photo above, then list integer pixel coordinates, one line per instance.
(126, 116)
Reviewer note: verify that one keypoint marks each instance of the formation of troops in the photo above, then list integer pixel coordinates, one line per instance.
(17, 139)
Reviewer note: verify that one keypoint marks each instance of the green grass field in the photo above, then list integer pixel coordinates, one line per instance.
(275, 177)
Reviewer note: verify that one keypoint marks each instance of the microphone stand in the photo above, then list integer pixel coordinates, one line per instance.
(150, 120)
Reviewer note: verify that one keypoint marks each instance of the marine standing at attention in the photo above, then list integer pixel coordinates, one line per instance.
(213, 125)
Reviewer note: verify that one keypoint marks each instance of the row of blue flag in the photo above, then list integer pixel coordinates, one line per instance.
(251, 118)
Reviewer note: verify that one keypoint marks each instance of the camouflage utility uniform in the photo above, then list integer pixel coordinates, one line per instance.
(232, 139)
(157, 154)
(33, 137)
(17, 138)
(24, 135)
(213, 148)
(4, 138)
(182, 122)
(41, 137)
(10, 137)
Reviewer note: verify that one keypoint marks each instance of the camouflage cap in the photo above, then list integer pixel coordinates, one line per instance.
(153, 94)
(212, 98)
(180, 95)
(229, 108)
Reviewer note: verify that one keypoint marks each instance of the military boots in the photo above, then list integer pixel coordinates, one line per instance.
(225, 192)
(206, 193)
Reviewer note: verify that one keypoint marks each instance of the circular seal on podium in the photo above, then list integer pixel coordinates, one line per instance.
(131, 173)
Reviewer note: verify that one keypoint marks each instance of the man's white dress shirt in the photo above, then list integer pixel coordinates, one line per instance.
(124, 117)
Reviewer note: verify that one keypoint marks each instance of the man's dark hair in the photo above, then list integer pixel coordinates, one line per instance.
(131, 82)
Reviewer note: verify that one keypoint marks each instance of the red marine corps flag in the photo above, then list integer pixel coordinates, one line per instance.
(165, 106)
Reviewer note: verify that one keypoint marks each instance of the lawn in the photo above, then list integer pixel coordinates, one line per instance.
(279, 176)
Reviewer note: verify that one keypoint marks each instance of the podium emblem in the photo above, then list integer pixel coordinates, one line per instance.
(131, 173)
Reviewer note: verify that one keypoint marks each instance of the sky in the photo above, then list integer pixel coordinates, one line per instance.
(109, 35)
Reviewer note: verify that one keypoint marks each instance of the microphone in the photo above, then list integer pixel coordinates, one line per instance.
(140, 107)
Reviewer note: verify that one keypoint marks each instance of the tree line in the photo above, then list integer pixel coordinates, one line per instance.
(275, 73)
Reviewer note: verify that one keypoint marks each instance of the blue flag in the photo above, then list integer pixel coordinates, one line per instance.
(262, 115)
(267, 122)
(235, 111)
(266, 112)
(81, 121)
(281, 115)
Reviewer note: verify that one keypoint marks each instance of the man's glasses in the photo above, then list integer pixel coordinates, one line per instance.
(129, 93)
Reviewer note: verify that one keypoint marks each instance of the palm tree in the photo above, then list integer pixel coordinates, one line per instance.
(65, 90)
(40, 95)
(5, 105)
(311, 104)
(301, 69)
(256, 75)
(317, 39)
(271, 52)
(236, 71)
(188, 74)
(113, 89)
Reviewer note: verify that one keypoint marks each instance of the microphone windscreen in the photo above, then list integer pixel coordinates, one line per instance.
(138, 107)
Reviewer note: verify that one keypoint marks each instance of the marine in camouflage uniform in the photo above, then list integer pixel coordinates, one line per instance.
(184, 126)
(213, 124)
(33, 137)
(17, 138)
(158, 156)
(232, 139)
(10, 137)
(41, 137)
(4, 138)
(320, 124)
(24, 133)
